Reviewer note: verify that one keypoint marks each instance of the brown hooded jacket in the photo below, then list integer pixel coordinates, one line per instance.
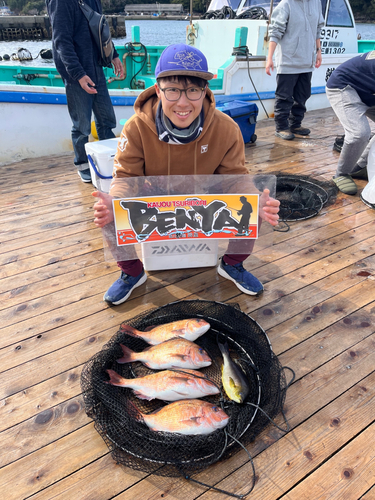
(218, 150)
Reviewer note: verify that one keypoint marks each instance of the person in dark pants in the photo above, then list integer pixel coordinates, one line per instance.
(294, 35)
(76, 58)
(246, 212)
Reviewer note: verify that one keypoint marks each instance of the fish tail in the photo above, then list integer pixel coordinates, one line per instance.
(128, 355)
(223, 348)
(115, 378)
(134, 412)
(129, 330)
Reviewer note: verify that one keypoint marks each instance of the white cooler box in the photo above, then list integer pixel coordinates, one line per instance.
(179, 254)
(101, 155)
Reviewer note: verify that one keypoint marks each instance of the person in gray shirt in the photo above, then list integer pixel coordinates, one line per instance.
(294, 35)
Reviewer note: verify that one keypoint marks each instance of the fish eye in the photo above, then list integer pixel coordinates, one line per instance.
(201, 350)
(215, 408)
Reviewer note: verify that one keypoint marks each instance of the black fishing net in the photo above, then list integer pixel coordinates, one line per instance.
(301, 196)
(133, 444)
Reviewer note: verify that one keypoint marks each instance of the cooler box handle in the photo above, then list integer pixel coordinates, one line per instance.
(101, 176)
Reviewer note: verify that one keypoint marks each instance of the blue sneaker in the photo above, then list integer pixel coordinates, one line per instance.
(123, 287)
(85, 175)
(243, 280)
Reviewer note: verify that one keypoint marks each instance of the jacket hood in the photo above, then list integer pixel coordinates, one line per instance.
(147, 103)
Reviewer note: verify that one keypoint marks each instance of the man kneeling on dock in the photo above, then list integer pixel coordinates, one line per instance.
(176, 130)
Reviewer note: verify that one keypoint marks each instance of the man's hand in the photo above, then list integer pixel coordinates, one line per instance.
(269, 62)
(269, 66)
(87, 84)
(103, 211)
(318, 59)
(269, 208)
(117, 67)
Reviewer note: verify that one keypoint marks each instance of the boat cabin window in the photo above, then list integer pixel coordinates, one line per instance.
(339, 14)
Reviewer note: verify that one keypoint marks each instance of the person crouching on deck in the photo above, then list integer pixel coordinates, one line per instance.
(176, 130)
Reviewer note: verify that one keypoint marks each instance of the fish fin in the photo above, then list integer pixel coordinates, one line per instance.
(194, 420)
(181, 393)
(149, 328)
(148, 348)
(115, 378)
(182, 358)
(185, 380)
(232, 383)
(128, 355)
(140, 395)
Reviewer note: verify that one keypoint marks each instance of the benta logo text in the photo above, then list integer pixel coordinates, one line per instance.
(145, 218)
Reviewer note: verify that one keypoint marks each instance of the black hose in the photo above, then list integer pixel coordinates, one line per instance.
(244, 51)
(132, 49)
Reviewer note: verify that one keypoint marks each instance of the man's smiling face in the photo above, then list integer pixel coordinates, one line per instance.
(183, 112)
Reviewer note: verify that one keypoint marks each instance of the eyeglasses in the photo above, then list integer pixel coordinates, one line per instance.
(192, 93)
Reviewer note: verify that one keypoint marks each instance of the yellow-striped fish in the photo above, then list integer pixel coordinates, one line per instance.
(234, 381)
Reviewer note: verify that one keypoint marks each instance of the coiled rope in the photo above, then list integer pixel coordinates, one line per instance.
(228, 13)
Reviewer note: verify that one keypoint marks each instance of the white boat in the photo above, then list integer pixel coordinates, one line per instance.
(35, 121)
(5, 10)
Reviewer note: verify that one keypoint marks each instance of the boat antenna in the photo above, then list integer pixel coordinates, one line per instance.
(269, 19)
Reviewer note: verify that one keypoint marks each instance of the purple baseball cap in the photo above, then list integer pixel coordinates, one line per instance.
(182, 59)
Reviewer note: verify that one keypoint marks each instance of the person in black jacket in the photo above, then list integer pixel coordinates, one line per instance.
(76, 58)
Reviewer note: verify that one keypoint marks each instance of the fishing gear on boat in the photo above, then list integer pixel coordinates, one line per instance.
(45, 54)
(228, 13)
(253, 13)
(134, 51)
(28, 77)
(244, 51)
(223, 13)
(22, 55)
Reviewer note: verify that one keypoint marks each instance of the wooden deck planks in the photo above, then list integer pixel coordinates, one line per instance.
(318, 311)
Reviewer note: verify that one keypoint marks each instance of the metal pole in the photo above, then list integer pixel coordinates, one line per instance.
(269, 18)
(191, 12)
